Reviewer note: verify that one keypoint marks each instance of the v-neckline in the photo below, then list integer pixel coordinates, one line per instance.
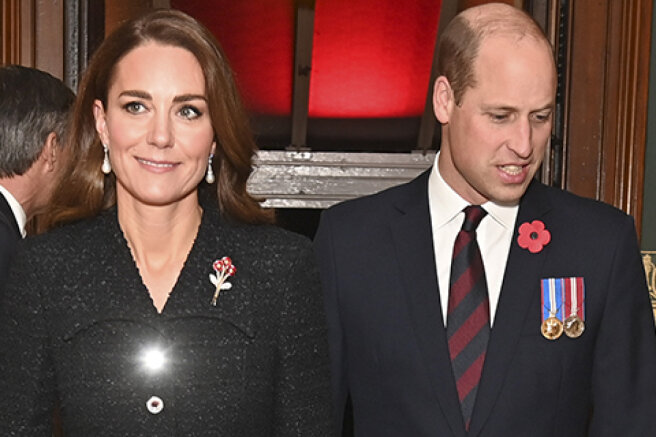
(175, 294)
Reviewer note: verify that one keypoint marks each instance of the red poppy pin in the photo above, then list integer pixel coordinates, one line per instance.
(533, 236)
(224, 269)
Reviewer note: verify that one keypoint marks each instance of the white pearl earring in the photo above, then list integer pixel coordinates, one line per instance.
(209, 176)
(106, 165)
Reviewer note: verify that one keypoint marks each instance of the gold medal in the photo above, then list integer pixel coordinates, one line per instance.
(574, 326)
(552, 328)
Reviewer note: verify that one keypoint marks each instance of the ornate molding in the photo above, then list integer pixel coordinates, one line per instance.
(287, 179)
(649, 262)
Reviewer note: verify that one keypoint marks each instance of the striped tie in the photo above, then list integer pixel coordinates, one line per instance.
(468, 315)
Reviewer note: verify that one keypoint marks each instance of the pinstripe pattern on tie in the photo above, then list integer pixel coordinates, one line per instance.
(468, 313)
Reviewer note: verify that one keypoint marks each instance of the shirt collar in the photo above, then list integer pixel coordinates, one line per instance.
(451, 204)
(16, 209)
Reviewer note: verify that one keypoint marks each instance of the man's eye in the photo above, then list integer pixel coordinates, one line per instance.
(190, 113)
(498, 118)
(542, 118)
(134, 107)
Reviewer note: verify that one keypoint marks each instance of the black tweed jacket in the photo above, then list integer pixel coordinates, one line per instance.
(76, 324)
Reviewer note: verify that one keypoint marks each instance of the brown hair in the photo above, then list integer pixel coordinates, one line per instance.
(462, 38)
(84, 190)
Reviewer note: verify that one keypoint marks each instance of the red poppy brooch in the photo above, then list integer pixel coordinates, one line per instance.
(224, 269)
(533, 236)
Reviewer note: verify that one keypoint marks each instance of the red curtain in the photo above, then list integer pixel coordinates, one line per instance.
(370, 59)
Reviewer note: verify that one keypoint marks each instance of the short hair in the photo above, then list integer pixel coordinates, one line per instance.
(33, 104)
(462, 38)
(85, 190)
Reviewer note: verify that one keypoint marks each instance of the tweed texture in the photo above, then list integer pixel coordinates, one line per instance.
(76, 320)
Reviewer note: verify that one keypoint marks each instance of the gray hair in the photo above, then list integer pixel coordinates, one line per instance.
(33, 104)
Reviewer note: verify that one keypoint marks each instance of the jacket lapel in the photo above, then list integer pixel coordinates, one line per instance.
(7, 216)
(193, 291)
(523, 268)
(412, 236)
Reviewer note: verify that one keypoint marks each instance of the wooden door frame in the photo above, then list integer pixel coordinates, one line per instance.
(607, 93)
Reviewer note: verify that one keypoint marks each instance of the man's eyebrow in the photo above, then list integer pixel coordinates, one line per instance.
(499, 108)
(547, 107)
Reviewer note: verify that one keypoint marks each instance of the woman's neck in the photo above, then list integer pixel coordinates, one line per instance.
(160, 239)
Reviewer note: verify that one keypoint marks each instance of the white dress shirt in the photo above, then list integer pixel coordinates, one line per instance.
(16, 208)
(494, 235)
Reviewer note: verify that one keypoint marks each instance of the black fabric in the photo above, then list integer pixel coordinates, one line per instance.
(389, 351)
(77, 321)
(9, 237)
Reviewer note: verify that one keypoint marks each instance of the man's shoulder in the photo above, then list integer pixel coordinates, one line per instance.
(8, 229)
(581, 210)
(378, 205)
(568, 199)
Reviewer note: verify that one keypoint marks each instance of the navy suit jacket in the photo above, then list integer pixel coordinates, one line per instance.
(388, 341)
(9, 237)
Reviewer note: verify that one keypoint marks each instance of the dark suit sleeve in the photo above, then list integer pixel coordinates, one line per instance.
(26, 370)
(302, 393)
(623, 382)
(324, 251)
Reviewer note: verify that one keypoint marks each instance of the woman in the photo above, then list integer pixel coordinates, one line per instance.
(162, 311)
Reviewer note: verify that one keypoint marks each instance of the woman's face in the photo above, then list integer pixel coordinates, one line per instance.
(157, 125)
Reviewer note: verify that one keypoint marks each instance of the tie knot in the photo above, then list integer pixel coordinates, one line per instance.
(473, 216)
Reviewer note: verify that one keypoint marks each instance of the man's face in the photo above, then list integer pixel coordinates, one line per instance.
(494, 142)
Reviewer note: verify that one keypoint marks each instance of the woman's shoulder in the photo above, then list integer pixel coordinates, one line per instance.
(269, 245)
(256, 235)
(265, 250)
(274, 235)
(72, 237)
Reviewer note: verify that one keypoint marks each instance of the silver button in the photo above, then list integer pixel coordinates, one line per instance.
(155, 404)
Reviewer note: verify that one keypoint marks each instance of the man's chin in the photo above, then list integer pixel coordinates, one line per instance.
(508, 197)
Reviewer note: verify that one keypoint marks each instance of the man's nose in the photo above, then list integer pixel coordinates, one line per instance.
(521, 142)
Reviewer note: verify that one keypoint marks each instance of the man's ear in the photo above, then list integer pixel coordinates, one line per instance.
(443, 99)
(50, 152)
(101, 123)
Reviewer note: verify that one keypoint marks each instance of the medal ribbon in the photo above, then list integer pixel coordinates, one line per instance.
(575, 297)
(552, 298)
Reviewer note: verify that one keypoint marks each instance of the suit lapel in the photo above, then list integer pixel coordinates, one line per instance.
(412, 236)
(522, 269)
(7, 216)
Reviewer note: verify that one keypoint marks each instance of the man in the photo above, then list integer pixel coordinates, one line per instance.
(551, 333)
(34, 108)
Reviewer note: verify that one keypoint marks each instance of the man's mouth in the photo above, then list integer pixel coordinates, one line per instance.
(511, 169)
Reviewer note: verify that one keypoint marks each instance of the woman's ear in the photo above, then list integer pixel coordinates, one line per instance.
(101, 123)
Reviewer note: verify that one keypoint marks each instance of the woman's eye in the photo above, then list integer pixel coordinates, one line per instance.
(190, 113)
(134, 107)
